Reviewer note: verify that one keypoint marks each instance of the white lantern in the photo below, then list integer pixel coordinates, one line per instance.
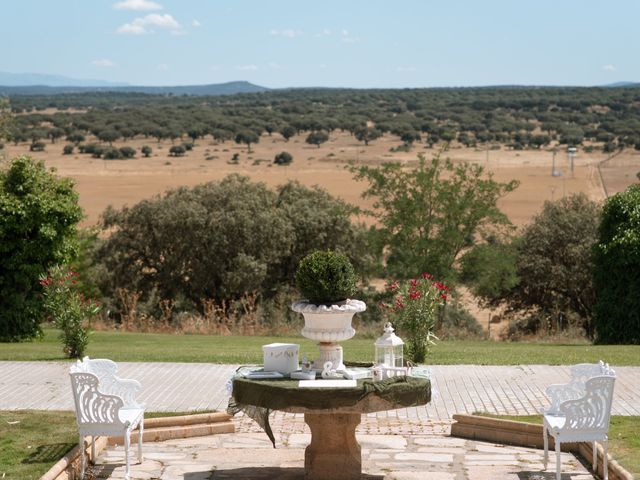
(389, 349)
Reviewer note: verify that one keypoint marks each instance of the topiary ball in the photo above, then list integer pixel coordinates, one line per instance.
(326, 277)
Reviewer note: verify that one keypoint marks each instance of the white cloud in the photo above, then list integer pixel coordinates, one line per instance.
(144, 24)
(287, 32)
(163, 67)
(347, 38)
(274, 66)
(326, 32)
(406, 69)
(247, 67)
(609, 68)
(195, 23)
(103, 63)
(137, 5)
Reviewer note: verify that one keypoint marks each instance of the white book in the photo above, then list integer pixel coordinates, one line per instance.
(327, 383)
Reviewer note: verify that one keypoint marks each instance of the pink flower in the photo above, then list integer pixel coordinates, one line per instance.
(415, 295)
(427, 276)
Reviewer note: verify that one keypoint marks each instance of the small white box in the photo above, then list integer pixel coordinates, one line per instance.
(281, 357)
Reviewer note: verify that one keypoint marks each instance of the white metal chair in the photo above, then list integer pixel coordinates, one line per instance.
(105, 405)
(580, 373)
(582, 419)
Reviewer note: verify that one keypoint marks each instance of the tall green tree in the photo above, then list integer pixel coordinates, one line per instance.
(38, 216)
(616, 270)
(428, 214)
(247, 137)
(317, 138)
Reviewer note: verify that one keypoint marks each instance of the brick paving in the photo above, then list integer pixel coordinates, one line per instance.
(507, 390)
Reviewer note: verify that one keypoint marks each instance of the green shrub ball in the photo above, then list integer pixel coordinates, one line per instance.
(326, 277)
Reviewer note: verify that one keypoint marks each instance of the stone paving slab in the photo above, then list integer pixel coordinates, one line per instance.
(506, 390)
(249, 456)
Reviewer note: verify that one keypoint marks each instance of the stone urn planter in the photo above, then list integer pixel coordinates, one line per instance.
(328, 325)
(327, 279)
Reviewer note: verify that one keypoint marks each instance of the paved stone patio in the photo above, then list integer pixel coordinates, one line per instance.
(249, 456)
(403, 444)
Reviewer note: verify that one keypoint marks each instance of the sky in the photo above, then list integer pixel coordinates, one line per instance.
(327, 43)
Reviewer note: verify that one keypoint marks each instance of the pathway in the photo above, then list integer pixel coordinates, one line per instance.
(505, 390)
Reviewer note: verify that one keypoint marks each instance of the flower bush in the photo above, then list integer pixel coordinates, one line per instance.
(68, 309)
(414, 309)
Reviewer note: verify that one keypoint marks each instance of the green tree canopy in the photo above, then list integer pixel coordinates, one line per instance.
(220, 240)
(317, 138)
(616, 270)
(429, 213)
(39, 213)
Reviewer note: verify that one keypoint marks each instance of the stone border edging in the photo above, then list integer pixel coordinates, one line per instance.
(156, 429)
(528, 435)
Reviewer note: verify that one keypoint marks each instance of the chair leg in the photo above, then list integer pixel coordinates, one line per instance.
(140, 435)
(595, 457)
(127, 441)
(93, 450)
(558, 470)
(81, 453)
(546, 446)
(605, 466)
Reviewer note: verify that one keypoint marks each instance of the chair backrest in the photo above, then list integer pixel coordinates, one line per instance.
(92, 406)
(591, 412)
(582, 372)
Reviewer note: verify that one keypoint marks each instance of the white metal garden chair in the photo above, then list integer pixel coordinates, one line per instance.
(583, 417)
(105, 405)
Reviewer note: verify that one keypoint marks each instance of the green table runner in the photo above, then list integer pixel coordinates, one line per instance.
(257, 398)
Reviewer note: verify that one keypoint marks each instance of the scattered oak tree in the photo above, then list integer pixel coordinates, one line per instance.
(247, 137)
(428, 214)
(317, 138)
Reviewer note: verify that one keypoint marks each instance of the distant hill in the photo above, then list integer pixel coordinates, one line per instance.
(30, 79)
(228, 88)
(622, 84)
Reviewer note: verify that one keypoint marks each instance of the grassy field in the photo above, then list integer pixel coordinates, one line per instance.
(146, 347)
(624, 439)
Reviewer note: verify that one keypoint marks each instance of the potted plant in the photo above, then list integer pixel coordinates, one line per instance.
(327, 279)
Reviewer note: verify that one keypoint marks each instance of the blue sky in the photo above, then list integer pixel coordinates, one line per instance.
(349, 43)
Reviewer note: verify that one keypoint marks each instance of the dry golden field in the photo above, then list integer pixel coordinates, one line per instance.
(125, 182)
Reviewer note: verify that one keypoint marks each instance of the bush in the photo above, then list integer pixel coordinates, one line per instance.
(127, 152)
(146, 150)
(67, 150)
(37, 147)
(39, 216)
(415, 306)
(326, 277)
(616, 270)
(111, 154)
(283, 158)
(68, 309)
(177, 151)
(188, 146)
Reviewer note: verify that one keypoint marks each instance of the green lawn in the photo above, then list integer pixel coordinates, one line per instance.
(148, 347)
(624, 439)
